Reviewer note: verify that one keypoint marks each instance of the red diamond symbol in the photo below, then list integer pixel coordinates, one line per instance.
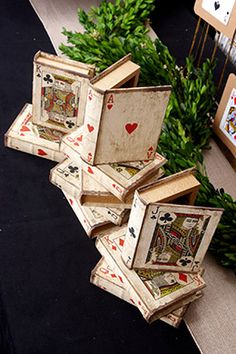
(120, 279)
(114, 247)
(121, 242)
(183, 277)
(113, 275)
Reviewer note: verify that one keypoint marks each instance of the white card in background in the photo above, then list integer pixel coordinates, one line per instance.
(228, 121)
(219, 9)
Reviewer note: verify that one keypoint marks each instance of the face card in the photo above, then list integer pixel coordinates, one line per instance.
(159, 292)
(225, 119)
(59, 99)
(175, 237)
(220, 9)
(228, 121)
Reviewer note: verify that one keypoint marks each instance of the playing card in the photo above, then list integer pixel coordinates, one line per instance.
(24, 135)
(120, 179)
(225, 119)
(60, 89)
(121, 133)
(219, 9)
(171, 237)
(228, 121)
(109, 278)
(156, 293)
(94, 223)
(221, 14)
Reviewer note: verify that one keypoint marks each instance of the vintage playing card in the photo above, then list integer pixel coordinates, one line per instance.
(117, 216)
(228, 122)
(120, 179)
(156, 293)
(67, 176)
(221, 14)
(94, 223)
(60, 89)
(169, 237)
(225, 119)
(108, 277)
(24, 135)
(219, 9)
(128, 137)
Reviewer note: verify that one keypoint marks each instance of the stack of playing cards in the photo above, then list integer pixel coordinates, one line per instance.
(59, 93)
(114, 151)
(104, 132)
(155, 261)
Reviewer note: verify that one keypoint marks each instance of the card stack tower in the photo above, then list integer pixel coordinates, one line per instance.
(104, 132)
(114, 151)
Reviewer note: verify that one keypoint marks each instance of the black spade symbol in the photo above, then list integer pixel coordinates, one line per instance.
(216, 5)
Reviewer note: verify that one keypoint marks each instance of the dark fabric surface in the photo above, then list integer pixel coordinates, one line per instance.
(47, 303)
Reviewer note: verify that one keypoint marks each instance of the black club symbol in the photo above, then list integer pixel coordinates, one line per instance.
(184, 261)
(73, 169)
(166, 218)
(48, 79)
(70, 124)
(131, 230)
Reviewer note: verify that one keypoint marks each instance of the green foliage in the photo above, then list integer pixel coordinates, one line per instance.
(113, 30)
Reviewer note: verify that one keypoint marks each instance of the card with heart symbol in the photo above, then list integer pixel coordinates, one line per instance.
(218, 13)
(170, 237)
(108, 277)
(24, 135)
(155, 293)
(116, 128)
(60, 87)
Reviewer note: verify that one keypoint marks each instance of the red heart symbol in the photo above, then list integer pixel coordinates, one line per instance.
(90, 128)
(80, 138)
(130, 127)
(90, 170)
(25, 129)
(109, 105)
(41, 152)
(76, 144)
(71, 201)
(22, 134)
(150, 149)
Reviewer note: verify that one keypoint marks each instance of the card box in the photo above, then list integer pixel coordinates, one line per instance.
(94, 223)
(67, 177)
(123, 124)
(70, 177)
(120, 179)
(155, 293)
(24, 135)
(60, 88)
(107, 277)
(168, 237)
